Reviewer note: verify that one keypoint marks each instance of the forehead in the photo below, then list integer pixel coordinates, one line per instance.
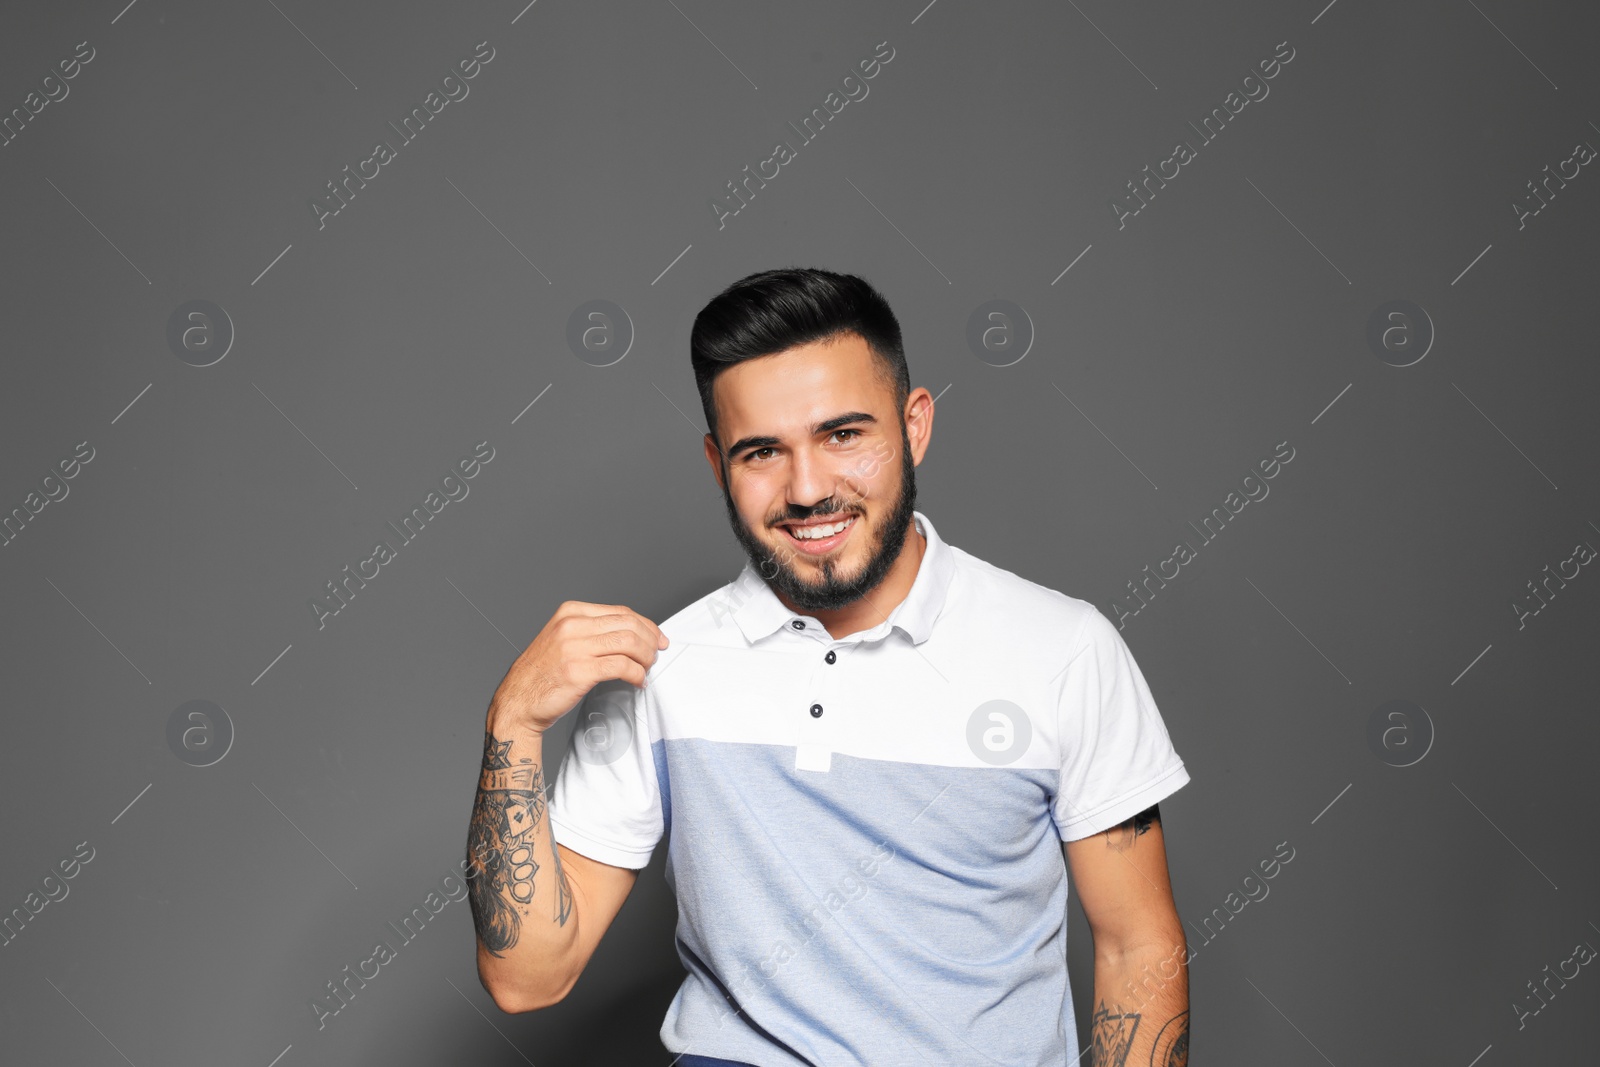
(788, 391)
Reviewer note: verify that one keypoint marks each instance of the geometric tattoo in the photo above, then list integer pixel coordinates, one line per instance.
(500, 843)
(1111, 1037)
(1121, 836)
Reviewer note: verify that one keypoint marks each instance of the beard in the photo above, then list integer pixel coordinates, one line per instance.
(833, 590)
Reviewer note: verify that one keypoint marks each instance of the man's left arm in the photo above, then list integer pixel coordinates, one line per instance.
(1141, 974)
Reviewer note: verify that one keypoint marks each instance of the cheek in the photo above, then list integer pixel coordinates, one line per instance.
(868, 478)
(750, 495)
(889, 483)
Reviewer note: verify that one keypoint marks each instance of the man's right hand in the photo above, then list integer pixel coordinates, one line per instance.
(582, 645)
(529, 953)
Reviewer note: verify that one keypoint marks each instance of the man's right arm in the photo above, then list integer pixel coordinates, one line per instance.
(539, 908)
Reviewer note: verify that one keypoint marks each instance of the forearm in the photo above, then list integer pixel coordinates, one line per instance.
(522, 902)
(1141, 1013)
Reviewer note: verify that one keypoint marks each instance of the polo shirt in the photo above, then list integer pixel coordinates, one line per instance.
(864, 833)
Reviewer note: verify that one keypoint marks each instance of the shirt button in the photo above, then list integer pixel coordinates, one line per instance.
(830, 657)
(816, 711)
(798, 625)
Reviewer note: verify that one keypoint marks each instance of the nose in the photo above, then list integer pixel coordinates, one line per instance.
(810, 485)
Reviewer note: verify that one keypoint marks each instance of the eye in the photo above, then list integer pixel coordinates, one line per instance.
(856, 432)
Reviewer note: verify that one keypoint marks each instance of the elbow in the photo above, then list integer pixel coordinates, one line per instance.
(514, 1002)
(520, 998)
(1169, 946)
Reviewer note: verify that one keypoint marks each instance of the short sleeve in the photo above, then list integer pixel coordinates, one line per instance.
(607, 804)
(1116, 758)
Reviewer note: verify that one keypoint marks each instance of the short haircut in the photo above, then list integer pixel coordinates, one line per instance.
(774, 310)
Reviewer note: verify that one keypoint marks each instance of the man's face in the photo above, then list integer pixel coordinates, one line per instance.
(815, 440)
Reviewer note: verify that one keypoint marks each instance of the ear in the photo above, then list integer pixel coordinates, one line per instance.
(919, 422)
(714, 457)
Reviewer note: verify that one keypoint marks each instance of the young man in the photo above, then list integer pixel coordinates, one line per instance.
(862, 752)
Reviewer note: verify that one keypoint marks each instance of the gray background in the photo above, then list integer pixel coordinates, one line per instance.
(370, 355)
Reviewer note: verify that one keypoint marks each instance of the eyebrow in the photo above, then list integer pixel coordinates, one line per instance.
(745, 444)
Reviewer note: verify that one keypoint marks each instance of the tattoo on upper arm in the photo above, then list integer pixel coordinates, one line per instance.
(1120, 837)
(500, 842)
(1172, 1043)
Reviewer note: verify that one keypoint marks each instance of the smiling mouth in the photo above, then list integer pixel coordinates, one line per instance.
(818, 537)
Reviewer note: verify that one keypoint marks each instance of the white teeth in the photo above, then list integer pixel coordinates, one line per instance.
(815, 533)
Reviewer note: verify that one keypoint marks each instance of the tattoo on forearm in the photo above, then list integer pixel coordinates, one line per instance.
(1111, 1036)
(1172, 1043)
(500, 844)
(1120, 837)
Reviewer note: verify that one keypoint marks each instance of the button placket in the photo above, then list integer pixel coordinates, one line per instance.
(816, 717)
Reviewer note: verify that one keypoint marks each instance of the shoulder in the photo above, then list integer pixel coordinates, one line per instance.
(710, 618)
(1041, 622)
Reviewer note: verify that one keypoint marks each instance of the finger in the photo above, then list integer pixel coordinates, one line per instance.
(624, 667)
(629, 637)
(584, 607)
(626, 618)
